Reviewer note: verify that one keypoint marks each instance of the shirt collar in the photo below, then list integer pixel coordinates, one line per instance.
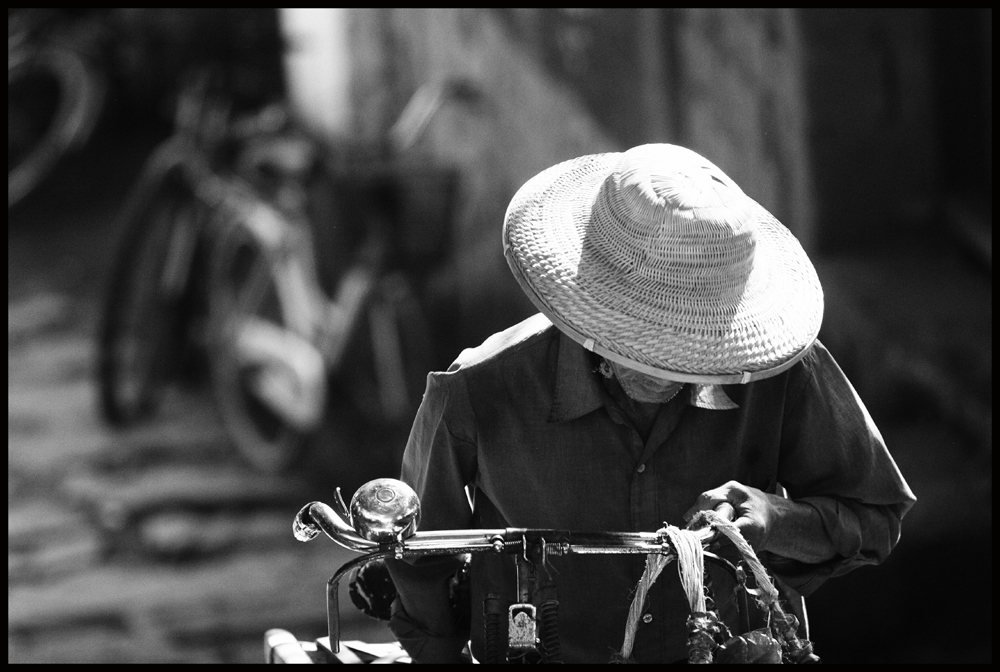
(712, 397)
(578, 389)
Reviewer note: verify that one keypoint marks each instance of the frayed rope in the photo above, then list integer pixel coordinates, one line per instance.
(691, 569)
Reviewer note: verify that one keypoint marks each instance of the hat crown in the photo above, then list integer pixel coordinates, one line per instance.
(655, 259)
(669, 216)
(668, 177)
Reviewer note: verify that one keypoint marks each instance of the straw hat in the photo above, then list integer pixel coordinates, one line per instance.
(654, 258)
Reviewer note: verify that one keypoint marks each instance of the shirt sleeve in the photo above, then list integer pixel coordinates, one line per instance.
(833, 458)
(439, 461)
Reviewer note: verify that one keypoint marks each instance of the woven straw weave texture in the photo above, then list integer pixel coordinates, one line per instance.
(657, 259)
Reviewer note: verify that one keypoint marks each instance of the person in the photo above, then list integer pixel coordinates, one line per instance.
(673, 366)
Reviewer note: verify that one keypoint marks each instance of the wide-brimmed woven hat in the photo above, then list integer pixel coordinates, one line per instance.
(654, 258)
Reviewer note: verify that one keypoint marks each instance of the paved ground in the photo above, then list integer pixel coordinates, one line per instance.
(157, 545)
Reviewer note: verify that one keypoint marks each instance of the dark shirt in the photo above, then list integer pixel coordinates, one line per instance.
(525, 422)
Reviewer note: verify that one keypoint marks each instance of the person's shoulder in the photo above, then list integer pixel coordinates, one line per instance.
(818, 359)
(817, 367)
(502, 345)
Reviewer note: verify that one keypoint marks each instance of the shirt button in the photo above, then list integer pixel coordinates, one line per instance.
(647, 618)
(642, 468)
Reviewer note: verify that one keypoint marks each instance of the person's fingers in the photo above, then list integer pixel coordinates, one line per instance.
(726, 510)
(706, 502)
(711, 499)
(733, 494)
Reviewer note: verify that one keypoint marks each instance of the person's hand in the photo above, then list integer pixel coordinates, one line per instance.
(750, 510)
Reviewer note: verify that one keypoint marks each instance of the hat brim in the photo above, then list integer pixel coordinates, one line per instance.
(767, 330)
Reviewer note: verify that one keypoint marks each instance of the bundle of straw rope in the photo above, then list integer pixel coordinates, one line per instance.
(706, 632)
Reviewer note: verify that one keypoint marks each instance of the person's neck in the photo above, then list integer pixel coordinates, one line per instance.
(641, 414)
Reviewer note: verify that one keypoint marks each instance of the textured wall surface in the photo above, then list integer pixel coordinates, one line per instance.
(872, 129)
(728, 84)
(741, 86)
(525, 122)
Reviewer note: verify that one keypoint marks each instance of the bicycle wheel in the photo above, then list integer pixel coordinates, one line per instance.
(150, 301)
(53, 101)
(268, 381)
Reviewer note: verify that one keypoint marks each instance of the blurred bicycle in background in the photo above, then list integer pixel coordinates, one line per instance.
(220, 260)
(56, 89)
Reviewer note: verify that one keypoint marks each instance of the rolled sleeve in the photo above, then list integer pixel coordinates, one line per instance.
(833, 458)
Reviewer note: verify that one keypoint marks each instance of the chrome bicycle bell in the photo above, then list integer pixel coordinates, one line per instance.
(385, 510)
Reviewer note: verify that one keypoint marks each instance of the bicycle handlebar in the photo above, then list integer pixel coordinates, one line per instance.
(317, 516)
(383, 518)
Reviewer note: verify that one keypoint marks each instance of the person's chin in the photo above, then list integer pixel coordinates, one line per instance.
(646, 398)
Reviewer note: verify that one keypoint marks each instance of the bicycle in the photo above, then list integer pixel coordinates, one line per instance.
(55, 94)
(222, 213)
(383, 519)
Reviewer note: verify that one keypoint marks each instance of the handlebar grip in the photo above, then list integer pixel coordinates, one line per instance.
(303, 526)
